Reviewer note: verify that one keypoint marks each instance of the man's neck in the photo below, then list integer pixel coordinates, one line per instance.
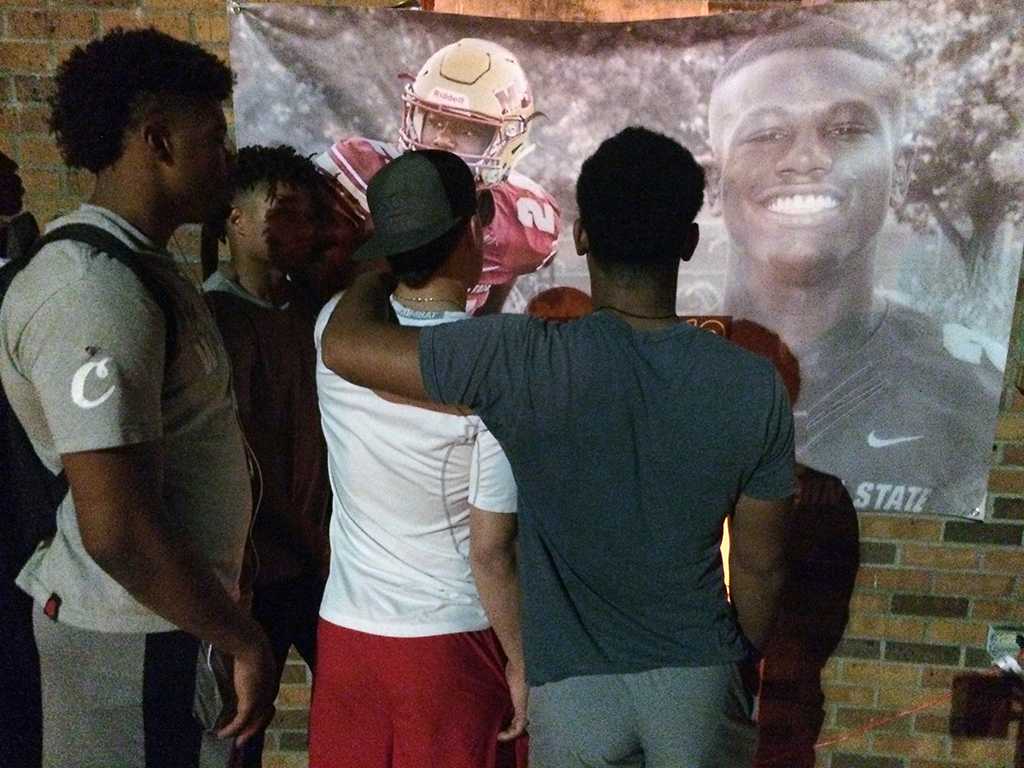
(823, 319)
(645, 305)
(438, 294)
(256, 276)
(135, 201)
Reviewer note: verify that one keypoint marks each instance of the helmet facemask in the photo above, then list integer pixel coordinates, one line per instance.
(476, 93)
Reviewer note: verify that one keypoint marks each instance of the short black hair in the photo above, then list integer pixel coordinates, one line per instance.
(816, 32)
(416, 266)
(637, 196)
(803, 33)
(257, 164)
(101, 87)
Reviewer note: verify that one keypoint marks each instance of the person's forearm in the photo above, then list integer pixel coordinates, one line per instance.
(361, 345)
(756, 596)
(498, 585)
(160, 571)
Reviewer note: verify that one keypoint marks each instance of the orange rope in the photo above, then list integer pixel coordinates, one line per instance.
(880, 721)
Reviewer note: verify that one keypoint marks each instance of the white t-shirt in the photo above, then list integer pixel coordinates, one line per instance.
(403, 479)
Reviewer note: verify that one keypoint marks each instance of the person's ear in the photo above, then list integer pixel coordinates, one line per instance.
(690, 243)
(580, 239)
(902, 169)
(156, 134)
(712, 184)
(235, 218)
(485, 206)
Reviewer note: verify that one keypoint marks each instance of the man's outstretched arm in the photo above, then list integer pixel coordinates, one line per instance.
(363, 346)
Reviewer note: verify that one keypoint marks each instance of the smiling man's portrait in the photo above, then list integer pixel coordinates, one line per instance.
(865, 186)
(808, 130)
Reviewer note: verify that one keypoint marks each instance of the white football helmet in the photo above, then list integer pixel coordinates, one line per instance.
(481, 86)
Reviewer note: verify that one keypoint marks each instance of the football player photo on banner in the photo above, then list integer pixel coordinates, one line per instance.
(865, 179)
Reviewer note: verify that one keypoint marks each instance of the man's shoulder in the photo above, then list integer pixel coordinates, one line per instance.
(946, 360)
(357, 157)
(524, 185)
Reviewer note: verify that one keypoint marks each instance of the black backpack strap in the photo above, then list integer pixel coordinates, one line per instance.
(109, 244)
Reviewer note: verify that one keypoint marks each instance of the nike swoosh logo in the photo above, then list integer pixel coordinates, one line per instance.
(78, 384)
(881, 442)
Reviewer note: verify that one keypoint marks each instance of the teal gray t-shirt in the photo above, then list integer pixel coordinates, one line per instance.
(629, 449)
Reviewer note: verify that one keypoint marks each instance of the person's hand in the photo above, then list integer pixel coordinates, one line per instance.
(254, 675)
(515, 674)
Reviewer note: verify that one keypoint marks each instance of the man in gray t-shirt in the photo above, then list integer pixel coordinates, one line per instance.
(633, 437)
(149, 541)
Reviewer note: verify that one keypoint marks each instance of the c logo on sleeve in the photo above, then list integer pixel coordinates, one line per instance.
(79, 379)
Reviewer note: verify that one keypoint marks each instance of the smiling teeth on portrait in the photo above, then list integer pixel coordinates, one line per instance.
(801, 204)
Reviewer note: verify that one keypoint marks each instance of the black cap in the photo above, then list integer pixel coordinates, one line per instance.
(415, 199)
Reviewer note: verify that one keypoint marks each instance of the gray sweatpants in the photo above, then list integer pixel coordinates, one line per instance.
(121, 700)
(678, 717)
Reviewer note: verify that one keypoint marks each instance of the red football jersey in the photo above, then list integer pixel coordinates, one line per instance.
(521, 238)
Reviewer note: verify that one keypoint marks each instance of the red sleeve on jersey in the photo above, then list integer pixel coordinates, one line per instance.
(523, 235)
(350, 164)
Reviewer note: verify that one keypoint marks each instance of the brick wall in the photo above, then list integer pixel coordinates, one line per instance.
(926, 591)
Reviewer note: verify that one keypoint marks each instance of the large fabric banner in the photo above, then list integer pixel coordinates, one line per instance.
(865, 178)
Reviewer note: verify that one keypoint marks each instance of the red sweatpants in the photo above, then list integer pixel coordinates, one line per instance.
(410, 702)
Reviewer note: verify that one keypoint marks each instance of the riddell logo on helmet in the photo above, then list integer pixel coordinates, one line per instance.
(449, 97)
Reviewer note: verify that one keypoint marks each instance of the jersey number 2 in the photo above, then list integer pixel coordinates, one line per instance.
(533, 213)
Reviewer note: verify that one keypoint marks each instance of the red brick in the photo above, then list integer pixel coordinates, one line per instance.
(875, 720)
(1013, 453)
(939, 677)
(1004, 480)
(41, 182)
(1004, 562)
(868, 603)
(856, 695)
(875, 673)
(40, 152)
(28, 24)
(977, 751)
(931, 723)
(961, 632)
(892, 579)
(174, 24)
(1010, 426)
(982, 585)
(190, 5)
(35, 118)
(9, 120)
(33, 88)
(67, 25)
(997, 610)
(939, 557)
(25, 57)
(126, 19)
(212, 28)
(899, 528)
(110, 3)
(920, 745)
(904, 697)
